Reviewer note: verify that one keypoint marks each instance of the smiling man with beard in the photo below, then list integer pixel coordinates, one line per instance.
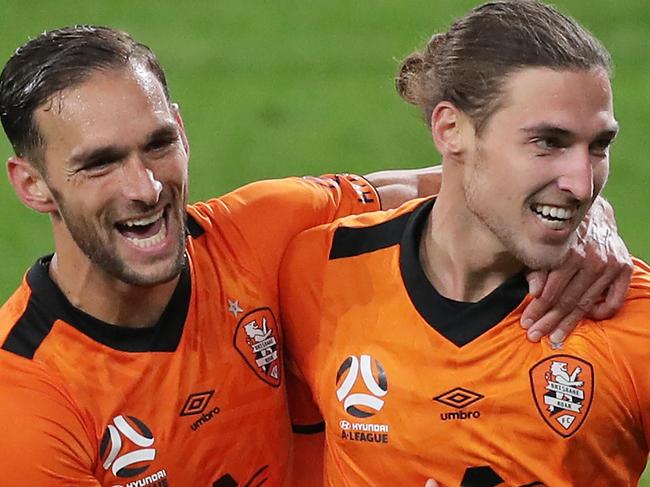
(146, 350)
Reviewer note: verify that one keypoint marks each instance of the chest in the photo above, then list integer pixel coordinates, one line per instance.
(210, 409)
(522, 411)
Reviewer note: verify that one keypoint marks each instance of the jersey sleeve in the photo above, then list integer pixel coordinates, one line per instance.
(629, 337)
(44, 439)
(263, 217)
(306, 465)
(301, 279)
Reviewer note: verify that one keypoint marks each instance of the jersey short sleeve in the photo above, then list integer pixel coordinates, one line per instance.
(44, 438)
(265, 215)
(629, 334)
(301, 276)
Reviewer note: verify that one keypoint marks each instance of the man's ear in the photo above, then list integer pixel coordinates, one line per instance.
(179, 120)
(30, 186)
(446, 129)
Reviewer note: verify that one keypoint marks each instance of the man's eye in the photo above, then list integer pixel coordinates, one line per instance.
(547, 143)
(600, 147)
(98, 165)
(160, 145)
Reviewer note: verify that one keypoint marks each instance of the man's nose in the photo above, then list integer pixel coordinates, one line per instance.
(578, 175)
(140, 183)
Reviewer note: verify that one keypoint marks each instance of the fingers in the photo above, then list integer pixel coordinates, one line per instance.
(536, 281)
(561, 318)
(555, 283)
(566, 326)
(431, 483)
(555, 323)
(614, 298)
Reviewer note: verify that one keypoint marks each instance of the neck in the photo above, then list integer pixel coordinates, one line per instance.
(460, 256)
(93, 291)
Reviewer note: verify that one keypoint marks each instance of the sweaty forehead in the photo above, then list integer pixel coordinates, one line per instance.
(111, 103)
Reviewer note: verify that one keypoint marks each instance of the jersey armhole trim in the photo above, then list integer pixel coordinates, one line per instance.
(308, 429)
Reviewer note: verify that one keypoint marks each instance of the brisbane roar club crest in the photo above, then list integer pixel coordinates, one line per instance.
(257, 340)
(563, 388)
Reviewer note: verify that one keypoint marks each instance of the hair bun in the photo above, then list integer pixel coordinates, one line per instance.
(408, 77)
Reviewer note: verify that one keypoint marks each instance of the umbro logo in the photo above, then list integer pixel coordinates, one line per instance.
(459, 398)
(196, 404)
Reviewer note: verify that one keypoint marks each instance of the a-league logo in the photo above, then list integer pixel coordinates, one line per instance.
(375, 386)
(127, 461)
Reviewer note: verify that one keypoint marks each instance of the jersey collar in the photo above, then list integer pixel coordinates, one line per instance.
(48, 304)
(459, 322)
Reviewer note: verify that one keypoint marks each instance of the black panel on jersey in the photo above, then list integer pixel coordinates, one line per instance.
(459, 322)
(48, 304)
(349, 241)
(308, 429)
(30, 330)
(192, 227)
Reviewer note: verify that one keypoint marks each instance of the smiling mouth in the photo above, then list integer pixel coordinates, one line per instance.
(145, 232)
(555, 217)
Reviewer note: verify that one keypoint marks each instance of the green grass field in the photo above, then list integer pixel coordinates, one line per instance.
(270, 89)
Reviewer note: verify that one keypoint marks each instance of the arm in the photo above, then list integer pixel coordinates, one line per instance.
(309, 433)
(44, 439)
(591, 282)
(261, 218)
(401, 185)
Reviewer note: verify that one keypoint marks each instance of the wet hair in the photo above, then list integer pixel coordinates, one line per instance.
(469, 64)
(57, 60)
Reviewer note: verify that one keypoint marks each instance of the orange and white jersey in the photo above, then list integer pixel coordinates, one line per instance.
(198, 399)
(412, 385)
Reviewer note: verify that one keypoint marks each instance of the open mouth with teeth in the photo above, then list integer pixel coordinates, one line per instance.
(145, 232)
(553, 216)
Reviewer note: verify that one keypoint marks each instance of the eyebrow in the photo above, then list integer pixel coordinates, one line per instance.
(557, 131)
(167, 131)
(113, 152)
(107, 152)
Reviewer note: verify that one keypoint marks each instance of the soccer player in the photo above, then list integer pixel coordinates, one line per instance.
(147, 349)
(400, 322)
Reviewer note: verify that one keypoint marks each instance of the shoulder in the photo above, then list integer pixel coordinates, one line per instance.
(628, 332)
(357, 234)
(18, 373)
(13, 309)
(640, 286)
(635, 311)
(317, 250)
(34, 401)
(326, 196)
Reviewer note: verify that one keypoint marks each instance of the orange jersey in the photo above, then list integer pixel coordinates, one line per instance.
(196, 400)
(413, 385)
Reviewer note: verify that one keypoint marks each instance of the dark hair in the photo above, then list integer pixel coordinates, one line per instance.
(468, 65)
(57, 60)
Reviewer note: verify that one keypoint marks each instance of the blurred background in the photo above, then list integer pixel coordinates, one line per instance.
(270, 89)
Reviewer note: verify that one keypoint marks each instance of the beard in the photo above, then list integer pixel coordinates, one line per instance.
(96, 239)
(511, 231)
